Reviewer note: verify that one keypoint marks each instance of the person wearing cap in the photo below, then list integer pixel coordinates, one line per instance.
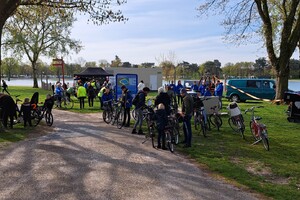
(126, 103)
(187, 113)
(141, 85)
(139, 110)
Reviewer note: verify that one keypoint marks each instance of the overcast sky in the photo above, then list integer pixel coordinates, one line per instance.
(156, 28)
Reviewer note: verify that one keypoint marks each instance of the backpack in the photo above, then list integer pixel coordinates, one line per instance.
(136, 99)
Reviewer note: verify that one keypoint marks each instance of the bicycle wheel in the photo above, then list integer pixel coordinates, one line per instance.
(68, 103)
(153, 137)
(107, 116)
(169, 141)
(216, 121)
(175, 139)
(233, 124)
(49, 118)
(252, 129)
(196, 122)
(120, 117)
(203, 126)
(35, 117)
(265, 140)
(133, 114)
(241, 128)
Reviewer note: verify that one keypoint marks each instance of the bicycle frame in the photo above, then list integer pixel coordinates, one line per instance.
(258, 130)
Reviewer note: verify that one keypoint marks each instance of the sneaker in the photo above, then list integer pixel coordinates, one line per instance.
(140, 132)
(134, 131)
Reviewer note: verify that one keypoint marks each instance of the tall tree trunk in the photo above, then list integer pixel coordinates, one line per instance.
(6, 10)
(282, 81)
(35, 82)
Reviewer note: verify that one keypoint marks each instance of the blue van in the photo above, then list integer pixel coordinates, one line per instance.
(260, 88)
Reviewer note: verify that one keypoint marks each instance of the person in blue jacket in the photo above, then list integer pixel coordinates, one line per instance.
(202, 88)
(179, 87)
(195, 87)
(219, 92)
(207, 92)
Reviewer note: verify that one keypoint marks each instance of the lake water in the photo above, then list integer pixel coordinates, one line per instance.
(293, 84)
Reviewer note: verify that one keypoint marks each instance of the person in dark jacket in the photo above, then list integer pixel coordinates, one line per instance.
(163, 98)
(161, 122)
(139, 110)
(91, 95)
(26, 111)
(4, 86)
(187, 113)
(127, 103)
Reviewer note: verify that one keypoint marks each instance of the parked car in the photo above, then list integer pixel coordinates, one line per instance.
(260, 88)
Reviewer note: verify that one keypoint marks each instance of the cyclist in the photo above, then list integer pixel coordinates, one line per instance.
(161, 122)
(126, 103)
(107, 97)
(139, 109)
(48, 102)
(198, 104)
(59, 93)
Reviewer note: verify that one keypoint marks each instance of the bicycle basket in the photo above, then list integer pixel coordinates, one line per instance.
(234, 110)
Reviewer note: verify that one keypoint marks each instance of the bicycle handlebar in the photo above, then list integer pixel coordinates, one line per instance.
(252, 109)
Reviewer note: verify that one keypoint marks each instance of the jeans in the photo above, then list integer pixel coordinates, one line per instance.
(126, 117)
(139, 121)
(187, 130)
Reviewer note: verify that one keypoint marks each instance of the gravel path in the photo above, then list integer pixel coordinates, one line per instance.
(84, 158)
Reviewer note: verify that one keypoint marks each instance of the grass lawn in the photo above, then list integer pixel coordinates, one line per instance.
(274, 173)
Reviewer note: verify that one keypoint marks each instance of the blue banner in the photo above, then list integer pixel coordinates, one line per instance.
(129, 80)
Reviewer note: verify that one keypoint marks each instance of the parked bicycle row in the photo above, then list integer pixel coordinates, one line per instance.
(29, 112)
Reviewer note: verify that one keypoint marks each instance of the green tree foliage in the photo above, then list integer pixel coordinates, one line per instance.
(277, 22)
(167, 70)
(10, 67)
(36, 31)
(116, 62)
(99, 11)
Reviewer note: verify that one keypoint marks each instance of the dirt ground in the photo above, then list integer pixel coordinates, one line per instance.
(81, 157)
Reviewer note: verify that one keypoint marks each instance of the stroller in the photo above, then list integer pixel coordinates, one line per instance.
(293, 112)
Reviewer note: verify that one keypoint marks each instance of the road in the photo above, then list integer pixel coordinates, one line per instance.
(84, 158)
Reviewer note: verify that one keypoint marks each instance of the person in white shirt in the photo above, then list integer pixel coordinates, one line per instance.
(141, 85)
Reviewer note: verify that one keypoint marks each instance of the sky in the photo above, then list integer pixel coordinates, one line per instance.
(157, 29)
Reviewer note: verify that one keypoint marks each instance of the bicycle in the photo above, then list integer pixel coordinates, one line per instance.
(151, 126)
(258, 130)
(118, 114)
(215, 119)
(200, 120)
(43, 112)
(170, 137)
(65, 102)
(236, 121)
(107, 114)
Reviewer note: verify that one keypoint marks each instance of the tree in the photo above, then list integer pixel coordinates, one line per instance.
(116, 62)
(36, 31)
(276, 21)
(100, 11)
(10, 67)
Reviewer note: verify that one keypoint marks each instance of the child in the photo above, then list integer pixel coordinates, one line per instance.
(26, 111)
(49, 102)
(161, 122)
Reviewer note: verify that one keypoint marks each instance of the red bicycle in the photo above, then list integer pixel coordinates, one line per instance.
(258, 130)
